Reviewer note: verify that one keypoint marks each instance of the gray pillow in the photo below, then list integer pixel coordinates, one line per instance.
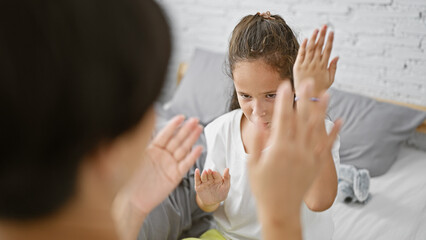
(205, 90)
(373, 131)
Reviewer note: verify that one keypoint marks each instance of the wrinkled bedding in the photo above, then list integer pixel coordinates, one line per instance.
(397, 208)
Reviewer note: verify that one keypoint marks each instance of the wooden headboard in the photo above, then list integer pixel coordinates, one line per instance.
(422, 128)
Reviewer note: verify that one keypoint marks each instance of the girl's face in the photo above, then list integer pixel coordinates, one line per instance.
(256, 84)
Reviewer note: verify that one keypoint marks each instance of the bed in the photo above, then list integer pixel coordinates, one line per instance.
(397, 208)
(384, 137)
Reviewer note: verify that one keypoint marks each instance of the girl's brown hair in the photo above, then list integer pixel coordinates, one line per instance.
(265, 37)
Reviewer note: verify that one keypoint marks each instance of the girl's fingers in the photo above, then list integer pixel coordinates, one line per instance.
(216, 177)
(209, 175)
(310, 49)
(204, 176)
(227, 178)
(188, 162)
(226, 174)
(167, 132)
(332, 70)
(301, 53)
(320, 43)
(184, 148)
(327, 50)
(197, 177)
(181, 135)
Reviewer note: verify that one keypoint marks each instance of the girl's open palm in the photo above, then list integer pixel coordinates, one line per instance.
(211, 187)
(312, 62)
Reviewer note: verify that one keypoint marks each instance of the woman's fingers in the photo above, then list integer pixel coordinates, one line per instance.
(189, 160)
(183, 148)
(327, 50)
(256, 145)
(304, 113)
(334, 133)
(321, 110)
(282, 122)
(181, 135)
(318, 135)
(283, 119)
(163, 137)
(304, 103)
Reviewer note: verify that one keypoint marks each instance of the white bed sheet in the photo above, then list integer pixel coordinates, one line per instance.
(397, 209)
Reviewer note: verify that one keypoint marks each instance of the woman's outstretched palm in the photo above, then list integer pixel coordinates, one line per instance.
(167, 158)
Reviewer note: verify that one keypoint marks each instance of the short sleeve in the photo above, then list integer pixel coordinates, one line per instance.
(216, 151)
(336, 146)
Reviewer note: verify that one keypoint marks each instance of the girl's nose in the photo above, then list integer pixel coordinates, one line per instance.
(259, 110)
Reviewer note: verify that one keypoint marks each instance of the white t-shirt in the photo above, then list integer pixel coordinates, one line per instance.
(236, 217)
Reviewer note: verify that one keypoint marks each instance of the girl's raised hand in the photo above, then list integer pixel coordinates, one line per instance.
(211, 187)
(313, 62)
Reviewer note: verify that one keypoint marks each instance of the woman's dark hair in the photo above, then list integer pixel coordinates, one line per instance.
(267, 38)
(73, 74)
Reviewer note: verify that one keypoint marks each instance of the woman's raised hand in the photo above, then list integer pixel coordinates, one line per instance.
(313, 62)
(167, 158)
(281, 175)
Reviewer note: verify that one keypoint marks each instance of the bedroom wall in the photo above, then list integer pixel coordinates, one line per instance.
(381, 43)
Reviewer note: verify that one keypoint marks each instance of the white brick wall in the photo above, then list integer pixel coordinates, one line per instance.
(381, 43)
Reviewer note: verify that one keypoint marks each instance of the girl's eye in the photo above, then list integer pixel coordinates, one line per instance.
(271, 95)
(245, 96)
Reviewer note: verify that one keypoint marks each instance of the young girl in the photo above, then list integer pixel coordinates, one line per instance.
(264, 52)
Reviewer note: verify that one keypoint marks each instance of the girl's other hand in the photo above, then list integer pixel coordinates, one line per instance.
(211, 187)
(313, 62)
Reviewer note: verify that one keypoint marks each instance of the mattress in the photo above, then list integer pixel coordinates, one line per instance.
(397, 208)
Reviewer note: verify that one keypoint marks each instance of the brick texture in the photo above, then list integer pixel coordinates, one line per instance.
(381, 43)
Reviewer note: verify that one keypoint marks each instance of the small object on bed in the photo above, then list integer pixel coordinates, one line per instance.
(353, 185)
